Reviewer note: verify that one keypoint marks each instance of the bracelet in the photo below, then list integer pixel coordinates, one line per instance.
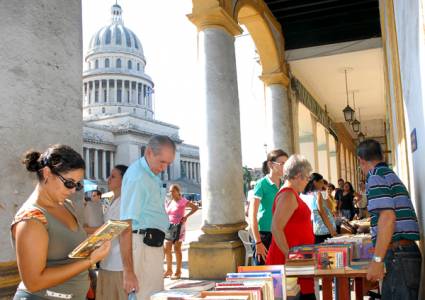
(257, 243)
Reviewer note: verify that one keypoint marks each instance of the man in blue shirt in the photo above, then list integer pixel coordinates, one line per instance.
(142, 206)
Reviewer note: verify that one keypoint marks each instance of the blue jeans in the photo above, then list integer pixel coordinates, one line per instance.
(403, 273)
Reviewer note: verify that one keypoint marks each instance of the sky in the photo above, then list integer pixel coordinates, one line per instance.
(169, 42)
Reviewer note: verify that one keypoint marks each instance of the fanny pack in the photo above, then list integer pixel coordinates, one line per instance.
(154, 237)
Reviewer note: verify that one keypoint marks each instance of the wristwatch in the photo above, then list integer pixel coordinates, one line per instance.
(377, 259)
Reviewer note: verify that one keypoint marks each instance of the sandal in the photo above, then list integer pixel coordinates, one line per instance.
(168, 273)
(176, 276)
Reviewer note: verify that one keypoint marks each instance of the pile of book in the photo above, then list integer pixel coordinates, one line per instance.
(301, 260)
(250, 283)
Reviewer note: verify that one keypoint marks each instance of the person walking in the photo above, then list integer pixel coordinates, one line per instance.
(46, 229)
(142, 206)
(176, 208)
(291, 225)
(260, 211)
(110, 274)
(394, 227)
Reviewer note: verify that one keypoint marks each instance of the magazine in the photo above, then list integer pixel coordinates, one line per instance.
(106, 232)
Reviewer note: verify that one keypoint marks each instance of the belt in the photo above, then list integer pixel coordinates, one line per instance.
(139, 231)
(393, 245)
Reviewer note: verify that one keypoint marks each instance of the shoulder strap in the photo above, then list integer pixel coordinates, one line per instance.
(31, 212)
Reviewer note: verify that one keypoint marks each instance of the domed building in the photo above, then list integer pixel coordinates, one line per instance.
(118, 109)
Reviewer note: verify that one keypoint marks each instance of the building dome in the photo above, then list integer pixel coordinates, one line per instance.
(115, 37)
(114, 79)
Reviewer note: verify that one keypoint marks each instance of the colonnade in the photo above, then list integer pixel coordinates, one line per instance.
(191, 170)
(99, 163)
(117, 91)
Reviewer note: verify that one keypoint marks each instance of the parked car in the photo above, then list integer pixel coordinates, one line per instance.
(193, 197)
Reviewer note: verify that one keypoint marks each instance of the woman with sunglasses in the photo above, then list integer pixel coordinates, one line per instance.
(260, 212)
(45, 229)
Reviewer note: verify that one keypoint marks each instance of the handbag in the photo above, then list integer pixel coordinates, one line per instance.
(154, 237)
(173, 233)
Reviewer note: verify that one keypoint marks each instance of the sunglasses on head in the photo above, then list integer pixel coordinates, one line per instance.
(70, 184)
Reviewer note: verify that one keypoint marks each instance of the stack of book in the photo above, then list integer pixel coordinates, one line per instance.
(334, 256)
(301, 260)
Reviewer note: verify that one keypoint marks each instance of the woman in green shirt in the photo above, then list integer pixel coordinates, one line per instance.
(260, 214)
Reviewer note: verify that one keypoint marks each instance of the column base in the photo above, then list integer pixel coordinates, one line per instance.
(213, 260)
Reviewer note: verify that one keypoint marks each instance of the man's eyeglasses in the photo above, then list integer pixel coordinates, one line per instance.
(70, 184)
(278, 163)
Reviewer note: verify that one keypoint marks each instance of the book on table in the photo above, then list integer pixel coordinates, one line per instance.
(192, 285)
(174, 295)
(266, 284)
(106, 232)
(253, 294)
(278, 275)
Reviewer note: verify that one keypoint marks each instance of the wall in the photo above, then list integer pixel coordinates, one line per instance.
(40, 80)
(410, 24)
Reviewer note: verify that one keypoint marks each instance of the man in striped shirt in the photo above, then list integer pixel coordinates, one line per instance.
(394, 226)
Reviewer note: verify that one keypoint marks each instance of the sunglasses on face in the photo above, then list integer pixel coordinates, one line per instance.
(280, 164)
(70, 184)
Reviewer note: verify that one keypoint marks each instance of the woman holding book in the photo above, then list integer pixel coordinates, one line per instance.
(291, 225)
(110, 277)
(260, 210)
(176, 208)
(45, 229)
(323, 222)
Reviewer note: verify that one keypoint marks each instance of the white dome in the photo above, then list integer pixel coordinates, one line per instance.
(115, 37)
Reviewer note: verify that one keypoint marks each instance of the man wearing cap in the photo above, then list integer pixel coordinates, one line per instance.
(142, 206)
(394, 227)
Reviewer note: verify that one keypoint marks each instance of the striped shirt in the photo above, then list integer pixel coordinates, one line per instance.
(384, 190)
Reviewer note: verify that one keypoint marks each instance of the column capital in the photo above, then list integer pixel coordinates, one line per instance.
(214, 17)
(275, 78)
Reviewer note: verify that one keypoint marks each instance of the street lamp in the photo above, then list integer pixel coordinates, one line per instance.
(348, 111)
(355, 124)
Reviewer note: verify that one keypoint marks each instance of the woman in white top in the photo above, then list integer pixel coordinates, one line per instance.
(109, 283)
(323, 221)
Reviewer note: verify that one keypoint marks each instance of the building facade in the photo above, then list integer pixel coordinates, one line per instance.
(118, 109)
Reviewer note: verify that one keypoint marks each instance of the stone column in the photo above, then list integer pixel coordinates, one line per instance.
(220, 148)
(278, 112)
(107, 92)
(96, 164)
(122, 91)
(38, 80)
(104, 176)
(87, 161)
(100, 91)
(130, 93)
(111, 153)
(93, 89)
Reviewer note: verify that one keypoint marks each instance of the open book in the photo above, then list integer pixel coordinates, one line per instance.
(106, 232)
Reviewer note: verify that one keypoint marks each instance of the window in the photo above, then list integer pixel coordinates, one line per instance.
(89, 111)
(96, 64)
(119, 95)
(118, 62)
(107, 63)
(129, 65)
(119, 109)
(103, 110)
(105, 95)
(96, 96)
(138, 67)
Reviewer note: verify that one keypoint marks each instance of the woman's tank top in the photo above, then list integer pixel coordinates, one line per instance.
(62, 241)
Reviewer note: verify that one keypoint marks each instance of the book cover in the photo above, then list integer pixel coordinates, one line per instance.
(192, 285)
(266, 283)
(106, 232)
